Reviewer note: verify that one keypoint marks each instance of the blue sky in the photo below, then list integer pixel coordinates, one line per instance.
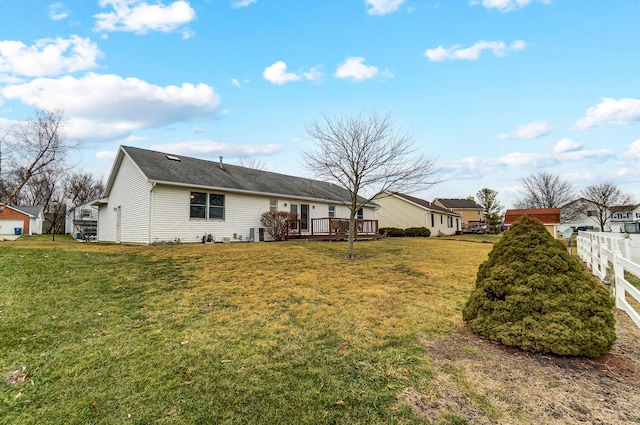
(494, 89)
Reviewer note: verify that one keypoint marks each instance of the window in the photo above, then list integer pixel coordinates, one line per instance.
(332, 211)
(360, 214)
(207, 206)
(85, 213)
(449, 222)
(216, 206)
(304, 216)
(433, 220)
(441, 219)
(273, 205)
(592, 214)
(198, 205)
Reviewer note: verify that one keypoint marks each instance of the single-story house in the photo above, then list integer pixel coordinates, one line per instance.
(550, 217)
(404, 211)
(154, 196)
(21, 220)
(471, 213)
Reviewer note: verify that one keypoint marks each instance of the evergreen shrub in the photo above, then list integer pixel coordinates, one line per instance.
(392, 232)
(417, 231)
(532, 294)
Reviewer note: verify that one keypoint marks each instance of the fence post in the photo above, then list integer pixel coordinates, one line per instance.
(603, 262)
(618, 272)
(627, 249)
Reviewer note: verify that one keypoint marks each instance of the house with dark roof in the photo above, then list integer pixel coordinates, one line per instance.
(26, 220)
(550, 217)
(471, 213)
(154, 196)
(403, 211)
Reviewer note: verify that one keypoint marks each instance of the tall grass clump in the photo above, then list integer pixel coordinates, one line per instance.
(532, 294)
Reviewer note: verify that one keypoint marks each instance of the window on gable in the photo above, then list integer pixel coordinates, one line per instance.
(206, 206)
(332, 211)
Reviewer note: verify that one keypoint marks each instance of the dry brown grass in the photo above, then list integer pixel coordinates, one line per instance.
(487, 383)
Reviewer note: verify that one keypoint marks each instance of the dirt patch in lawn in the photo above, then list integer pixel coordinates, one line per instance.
(477, 381)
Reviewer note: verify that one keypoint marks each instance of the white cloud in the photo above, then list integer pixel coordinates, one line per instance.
(107, 107)
(57, 11)
(567, 145)
(215, 149)
(48, 56)
(476, 167)
(532, 130)
(134, 139)
(141, 17)
(354, 69)
(382, 7)
(610, 111)
(634, 151)
(277, 74)
(109, 156)
(187, 33)
(314, 74)
(506, 5)
(242, 3)
(456, 52)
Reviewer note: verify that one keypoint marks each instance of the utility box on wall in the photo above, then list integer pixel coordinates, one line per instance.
(256, 234)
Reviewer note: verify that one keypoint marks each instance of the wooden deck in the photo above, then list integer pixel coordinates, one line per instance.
(334, 229)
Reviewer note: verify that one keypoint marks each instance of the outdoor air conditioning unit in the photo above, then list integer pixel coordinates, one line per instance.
(256, 234)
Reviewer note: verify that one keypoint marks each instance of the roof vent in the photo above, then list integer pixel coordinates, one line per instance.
(173, 158)
(220, 161)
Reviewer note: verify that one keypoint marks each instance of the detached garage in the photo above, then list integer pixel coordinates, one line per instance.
(21, 220)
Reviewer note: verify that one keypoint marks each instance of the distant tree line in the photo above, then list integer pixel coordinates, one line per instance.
(34, 168)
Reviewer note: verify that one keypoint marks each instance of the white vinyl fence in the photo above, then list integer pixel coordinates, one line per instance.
(601, 251)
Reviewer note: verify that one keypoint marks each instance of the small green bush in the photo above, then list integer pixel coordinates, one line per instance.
(392, 232)
(532, 294)
(417, 231)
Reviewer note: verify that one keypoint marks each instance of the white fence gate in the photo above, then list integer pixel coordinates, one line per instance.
(599, 250)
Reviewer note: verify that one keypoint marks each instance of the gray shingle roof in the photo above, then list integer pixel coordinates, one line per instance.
(209, 174)
(426, 204)
(32, 211)
(462, 204)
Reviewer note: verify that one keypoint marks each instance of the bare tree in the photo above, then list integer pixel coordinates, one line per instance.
(366, 154)
(33, 147)
(250, 162)
(82, 187)
(488, 199)
(544, 190)
(603, 199)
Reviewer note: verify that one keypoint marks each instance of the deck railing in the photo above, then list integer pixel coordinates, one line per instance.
(333, 227)
(601, 251)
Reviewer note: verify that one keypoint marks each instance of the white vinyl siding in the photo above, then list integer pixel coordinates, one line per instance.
(130, 192)
(395, 212)
(172, 209)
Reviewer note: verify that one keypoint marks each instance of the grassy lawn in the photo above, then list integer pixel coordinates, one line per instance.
(225, 333)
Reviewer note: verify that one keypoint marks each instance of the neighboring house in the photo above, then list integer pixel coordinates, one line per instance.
(471, 213)
(583, 215)
(21, 220)
(404, 211)
(625, 218)
(153, 196)
(82, 219)
(550, 217)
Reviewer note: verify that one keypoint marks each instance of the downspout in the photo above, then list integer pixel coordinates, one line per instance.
(153, 186)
